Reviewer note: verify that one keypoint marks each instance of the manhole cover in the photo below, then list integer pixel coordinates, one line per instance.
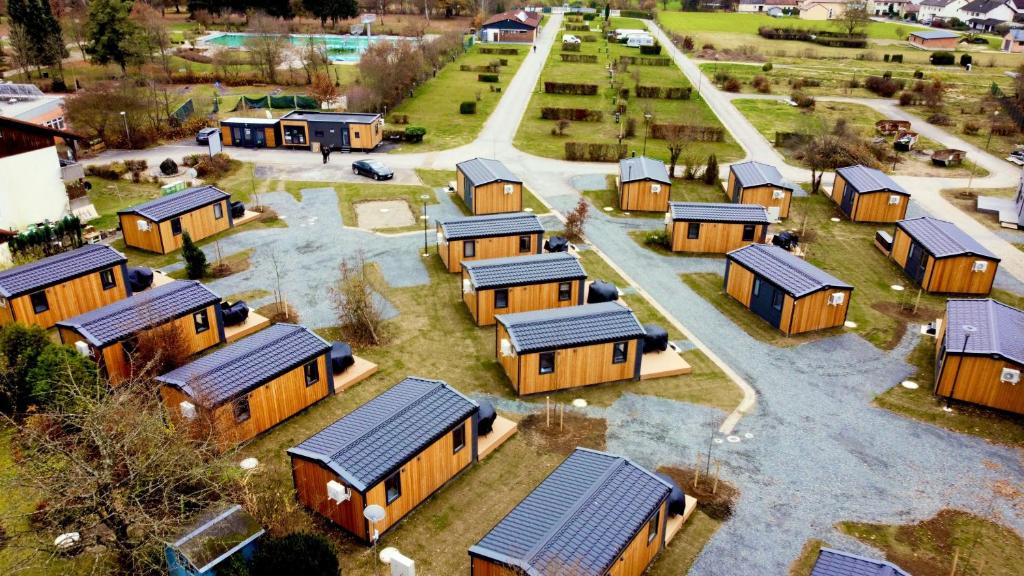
(897, 287)
(909, 385)
(719, 440)
(834, 219)
(850, 324)
(608, 208)
(527, 209)
(249, 463)
(732, 439)
(579, 403)
(748, 435)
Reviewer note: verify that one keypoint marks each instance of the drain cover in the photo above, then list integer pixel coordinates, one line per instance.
(249, 464)
(719, 440)
(834, 219)
(897, 287)
(579, 403)
(608, 208)
(909, 385)
(732, 439)
(527, 209)
(850, 324)
(748, 435)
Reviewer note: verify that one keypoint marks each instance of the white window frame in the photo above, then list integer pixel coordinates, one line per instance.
(894, 199)
(979, 266)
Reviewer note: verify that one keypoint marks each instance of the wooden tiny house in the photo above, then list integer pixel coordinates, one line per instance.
(978, 356)
(491, 236)
(708, 227)
(109, 334)
(561, 348)
(250, 132)
(868, 195)
(159, 225)
(487, 187)
(521, 284)
(596, 514)
(762, 185)
(62, 286)
(395, 451)
(248, 387)
(786, 291)
(342, 131)
(939, 257)
(644, 185)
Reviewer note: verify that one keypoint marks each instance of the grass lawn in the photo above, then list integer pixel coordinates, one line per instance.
(232, 264)
(435, 178)
(928, 547)
(350, 194)
(435, 104)
(682, 191)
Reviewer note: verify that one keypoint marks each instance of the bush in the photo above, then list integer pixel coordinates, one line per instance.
(907, 98)
(669, 93)
(688, 43)
(761, 84)
(971, 128)
(732, 85)
(195, 259)
(711, 170)
(468, 107)
(111, 171)
(582, 58)
(887, 74)
(594, 152)
(213, 167)
(884, 87)
(500, 51)
(942, 58)
(487, 77)
(918, 74)
(569, 47)
(570, 88)
(966, 59)
(301, 553)
(168, 167)
(940, 119)
(690, 132)
(767, 67)
(802, 100)
(657, 239)
(651, 50)
(416, 133)
(574, 114)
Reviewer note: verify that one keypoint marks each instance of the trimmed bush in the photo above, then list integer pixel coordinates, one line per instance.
(168, 167)
(577, 27)
(639, 60)
(732, 85)
(966, 59)
(570, 88)
(668, 93)
(468, 107)
(478, 68)
(416, 133)
(594, 152)
(487, 77)
(942, 58)
(635, 14)
(884, 87)
(651, 50)
(111, 171)
(690, 132)
(582, 58)
(570, 47)
(767, 67)
(501, 51)
(574, 114)
(918, 74)
(195, 260)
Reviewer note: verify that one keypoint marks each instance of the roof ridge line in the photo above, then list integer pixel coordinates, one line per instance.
(150, 300)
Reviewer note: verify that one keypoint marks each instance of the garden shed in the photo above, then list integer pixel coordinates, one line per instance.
(560, 348)
(63, 285)
(644, 185)
(710, 227)
(487, 187)
(343, 131)
(596, 514)
(394, 451)
(979, 356)
(159, 225)
(251, 132)
(518, 26)
(491, 236)
(785, 290)
(248, 387)
(934, 39)
(109, 335)
(939, 257)
(869, 195)
(760, 184)
(217, 535)
(521, 284)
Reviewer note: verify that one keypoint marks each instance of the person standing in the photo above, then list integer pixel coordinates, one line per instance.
(326, 152)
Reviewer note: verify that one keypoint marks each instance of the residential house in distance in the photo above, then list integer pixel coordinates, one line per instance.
(26, 102)
(705, 227)
(869, 195)
(762, 185)
(939, 257)
(248, 387)
(933, 39)
(1013, 41)
(218, 534)
(832, 562)
(492, 236)
(889, 8)
(515, 26)
(394, 451)
(931, 10)
(521, 284)
(63, 285)
(644, 185)
(110, 334)
(978, 354)
(766, 6)
(159, 225)
(487, 187)
(985, 15)
(823, 9)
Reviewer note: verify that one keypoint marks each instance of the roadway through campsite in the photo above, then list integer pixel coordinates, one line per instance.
(814, 451)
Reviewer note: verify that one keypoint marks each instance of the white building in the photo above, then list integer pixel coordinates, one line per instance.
(941, 9)
(986, 14)
(765, 6)
(27, 102)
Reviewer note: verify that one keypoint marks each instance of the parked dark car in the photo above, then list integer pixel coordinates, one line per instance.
(372, 169)
(203, 137)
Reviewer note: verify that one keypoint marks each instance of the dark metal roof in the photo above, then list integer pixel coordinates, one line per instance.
(571, 326)
(522, 270)
(791, 273)
(247, 364)
(372, 441)
(838, 563)
(153, 307)
(643, 168)
(346, 117)
(58, 268)
(178, 203)
(485, 170)
(934, 34)
(718, 212)
(752, 174)
(983, 6)
(581, 516)
(999, 328)
(864, 179)
(509, 224)
(942, 238)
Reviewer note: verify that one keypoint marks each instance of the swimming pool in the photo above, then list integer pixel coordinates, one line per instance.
(340, 48)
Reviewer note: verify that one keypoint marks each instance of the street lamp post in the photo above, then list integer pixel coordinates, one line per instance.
(968, 330)
(647, 118)
(127, 134)
(425, 197)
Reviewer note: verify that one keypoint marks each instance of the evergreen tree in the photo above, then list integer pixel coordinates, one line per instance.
(44, 39)
(112, 33)
(711, 171)
(332, 10)
(195, 259)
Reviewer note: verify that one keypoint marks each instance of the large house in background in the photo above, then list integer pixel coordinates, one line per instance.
(939, 9)
(985, 15)
(28, 103)
(766, 6)
(517, 26)
(823, 9)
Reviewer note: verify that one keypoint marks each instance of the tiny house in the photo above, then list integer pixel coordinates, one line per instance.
(394, 451)
(218, 534)
(978, 356)
(248, 387)
(520, 284)
(868, 195)
(342, 131)
(939, 257)
(596, 514)
(710, 227)
(762, 185)
(251, 132)
(644, 185)
(62, 286)
(487, 187)
(492, 236)
(562, 348)
(110, 334)
(786, 291)
(159, 225)
(831, 562)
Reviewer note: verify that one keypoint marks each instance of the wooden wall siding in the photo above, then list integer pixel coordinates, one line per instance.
(952, 275)
(875, 207)
(199, 223)
(470, 298)
(715, 237)
(6, 317)
(579, 366)
(838, 186)
(979, 382)
(423, 475)
(484, 567)
(520, 299)
(900, 247)
(739, 282)
(639, 554)
(67, 300)
(225, 135)
(364, 136)
(137, 238)
(311, 480)
(638, 196)
(271, 137)
(491, 198)
(509, 363)
(493, 247)
(763, 195)
(812, 312)
(16, 140)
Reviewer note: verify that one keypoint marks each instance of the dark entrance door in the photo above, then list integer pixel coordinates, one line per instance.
(259, 138)
(766, 301)
(916, 262)
(467, 192)
(345, 142)
(847, 205)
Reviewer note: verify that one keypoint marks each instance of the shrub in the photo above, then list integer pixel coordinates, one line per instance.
(168, 167)
(884, 87)
(918, 74)
(732, 85)
(907, 98)
(897, 59)
(711, 170)
(1006, 128)
(574, 114)
(887, 74)
(570, 88)
(576, 221)
(582, 58)
(569, 47)
(594, 152)
(111, 171)
(487, 77)
(195, 259)
(213, 167)
(802, 100)
(688, 43)
(966, 59)
(301, 553)
(657, 239)
(669, 93)
(971, 128)
(630, 127)
(689, 132)
(707, 46)
(651, 50)
(501, 51)
(853, 83)
(761, 84)
(942, 58)
(767, 67)
(416, 133)
(940, 119)
(468, 107)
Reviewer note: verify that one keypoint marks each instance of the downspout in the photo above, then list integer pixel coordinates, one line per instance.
(124, 278)
(639, 358)
(329, 372)
(792, 312)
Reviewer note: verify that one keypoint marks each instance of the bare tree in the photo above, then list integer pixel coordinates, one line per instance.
(323, 90)
(855, 17)
(676, 139)
(154, 33)
(355, 299)
(576, 220)
(225, 64)
(313, 56)
(266, 44)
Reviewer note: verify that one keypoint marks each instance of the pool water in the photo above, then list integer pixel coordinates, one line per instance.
(340, 48)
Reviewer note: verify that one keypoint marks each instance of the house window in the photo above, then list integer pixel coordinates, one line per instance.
(777, 300)
(693, 230)
(564, 291)
(176, 226)
(202, 321)
(458, 439)
(312, 372)
(393, 487)
(894, 199)
(107, 278)
(501, 298)
(652, 527)
(547, 362)
(218, 211)
(39, 302)
(748, 232)
(240, 407)
(525, 244)
(469, 249)
(619, 352)
(356, 135)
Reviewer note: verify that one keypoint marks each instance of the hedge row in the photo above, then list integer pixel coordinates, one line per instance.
(577, 27)
(569, 88)
(503, 51)
(479, 68)
(487, 77)
(574, 114)
(651, 50)
(594, 152)
(635, 14)
(695, 133)
(583, 58)
(569, 47)
(641, 61)
(823, 37)
(669, 93)
(587, 37)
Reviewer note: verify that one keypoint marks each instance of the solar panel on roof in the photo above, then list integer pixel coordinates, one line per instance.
(20, 91)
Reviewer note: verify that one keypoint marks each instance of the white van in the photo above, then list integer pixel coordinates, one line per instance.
(636, 40)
